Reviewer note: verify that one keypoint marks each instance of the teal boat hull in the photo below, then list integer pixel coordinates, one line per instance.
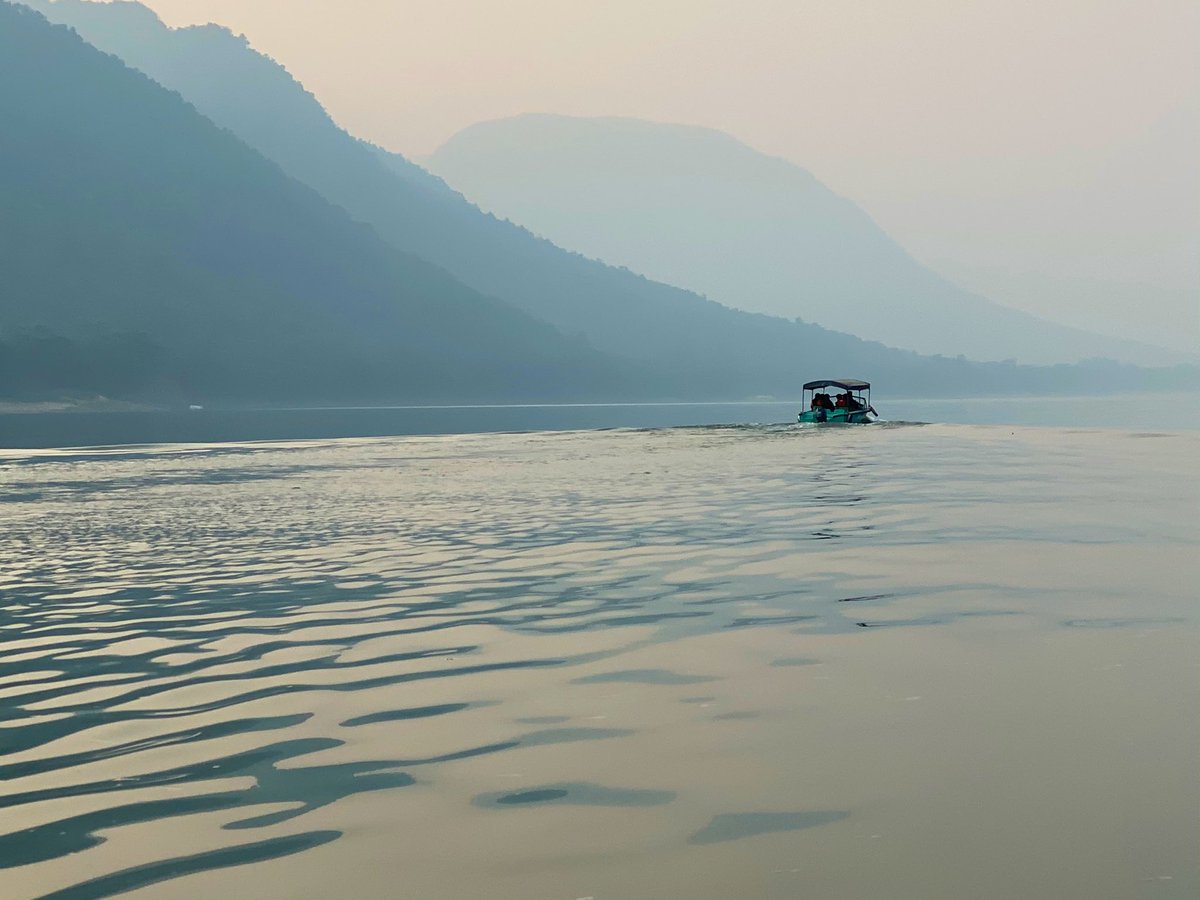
(834, 416)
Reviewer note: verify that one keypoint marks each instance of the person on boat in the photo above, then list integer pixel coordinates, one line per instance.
(851, 404)
(841, 401)
(823, 401)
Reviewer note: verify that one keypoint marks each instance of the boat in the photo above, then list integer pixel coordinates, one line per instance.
(851, 408)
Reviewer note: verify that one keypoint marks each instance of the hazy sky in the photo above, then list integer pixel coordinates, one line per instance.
(1043, 151)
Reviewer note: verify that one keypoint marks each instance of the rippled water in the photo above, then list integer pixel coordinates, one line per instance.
(940, 661)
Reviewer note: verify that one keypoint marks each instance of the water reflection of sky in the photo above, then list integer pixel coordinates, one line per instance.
(238, 646)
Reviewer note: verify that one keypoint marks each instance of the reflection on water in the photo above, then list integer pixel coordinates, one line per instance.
(89, 429)
(685, 662)
(585, 794)
(731, 826)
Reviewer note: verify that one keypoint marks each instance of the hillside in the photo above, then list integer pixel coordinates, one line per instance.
(694, 207)
(684, 345)
(144, 249)
(667, 342)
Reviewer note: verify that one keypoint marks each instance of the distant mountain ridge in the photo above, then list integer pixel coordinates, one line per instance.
(143, 247)
(694, 207)
(661, 341)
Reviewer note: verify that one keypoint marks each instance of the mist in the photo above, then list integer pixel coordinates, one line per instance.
(1040, 154)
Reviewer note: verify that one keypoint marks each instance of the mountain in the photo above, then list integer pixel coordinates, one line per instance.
(695, 207)
(143, 247)
(670, 343)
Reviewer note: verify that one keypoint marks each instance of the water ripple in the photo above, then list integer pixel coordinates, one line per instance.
(261, 632)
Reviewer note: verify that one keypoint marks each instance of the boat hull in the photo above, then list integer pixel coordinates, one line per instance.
(834, 417)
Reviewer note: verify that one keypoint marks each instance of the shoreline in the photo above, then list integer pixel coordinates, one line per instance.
(106, 405)
(94, 405)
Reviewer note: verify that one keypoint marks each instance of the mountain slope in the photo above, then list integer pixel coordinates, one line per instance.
(694, 207)
(129, 217)
(673, 342)
(696, 347)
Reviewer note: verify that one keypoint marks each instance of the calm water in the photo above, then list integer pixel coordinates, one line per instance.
(1180, 411)
(894, 661)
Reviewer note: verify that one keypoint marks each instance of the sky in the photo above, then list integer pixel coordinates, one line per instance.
(1043, 153)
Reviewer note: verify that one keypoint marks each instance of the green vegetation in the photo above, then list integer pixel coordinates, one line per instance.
(125, 213)
(38, 364)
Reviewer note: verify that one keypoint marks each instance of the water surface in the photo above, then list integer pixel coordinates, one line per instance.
(1177, 411)
(922, 661)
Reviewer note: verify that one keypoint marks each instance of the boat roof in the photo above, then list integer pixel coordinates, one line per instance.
(846, 384)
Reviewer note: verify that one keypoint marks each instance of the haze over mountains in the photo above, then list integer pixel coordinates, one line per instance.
(132, 221)
(694, 207)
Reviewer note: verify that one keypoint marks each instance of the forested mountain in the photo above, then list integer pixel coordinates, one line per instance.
(696, 208)
(143, 246)
(685, 345)
(144, 249)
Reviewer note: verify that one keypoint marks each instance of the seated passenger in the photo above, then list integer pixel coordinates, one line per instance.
(826, 403)
(841, 401)
(852, 404)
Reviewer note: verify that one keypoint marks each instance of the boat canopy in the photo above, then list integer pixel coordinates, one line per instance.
(846, 384)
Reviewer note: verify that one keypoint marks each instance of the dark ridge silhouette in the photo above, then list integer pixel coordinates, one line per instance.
(662, 342)
(144, 249)
(673, 343)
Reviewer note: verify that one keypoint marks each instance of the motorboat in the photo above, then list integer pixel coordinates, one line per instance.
(851, 406)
